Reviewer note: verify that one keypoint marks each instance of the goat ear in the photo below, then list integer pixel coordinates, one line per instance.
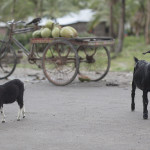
(136, 60)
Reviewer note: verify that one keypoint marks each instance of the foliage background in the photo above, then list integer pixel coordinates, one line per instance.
(137, 24)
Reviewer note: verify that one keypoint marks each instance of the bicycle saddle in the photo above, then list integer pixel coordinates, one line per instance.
(34, 21)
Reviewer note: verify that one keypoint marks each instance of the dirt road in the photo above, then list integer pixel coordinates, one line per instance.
(80, 116)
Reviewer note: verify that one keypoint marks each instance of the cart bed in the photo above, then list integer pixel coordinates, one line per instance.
(94, 41)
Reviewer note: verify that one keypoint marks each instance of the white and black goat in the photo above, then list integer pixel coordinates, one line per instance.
(10, 92)
(141, 79)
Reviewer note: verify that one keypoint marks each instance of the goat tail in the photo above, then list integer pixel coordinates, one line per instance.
(136, 60)
(146, 52)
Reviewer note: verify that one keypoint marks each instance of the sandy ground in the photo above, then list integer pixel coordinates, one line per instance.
(80, 116)
(34, 76)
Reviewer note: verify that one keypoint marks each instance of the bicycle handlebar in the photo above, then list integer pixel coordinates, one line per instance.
(20, 22)
(11, 26)
(10, 22)
(15, 22)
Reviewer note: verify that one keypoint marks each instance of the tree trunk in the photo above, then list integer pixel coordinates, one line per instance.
(111, 19)
(121, 28)
(137, 31)
(41, 8)
(13, 9)
(36, 8)
(147, 34)
(111, 31)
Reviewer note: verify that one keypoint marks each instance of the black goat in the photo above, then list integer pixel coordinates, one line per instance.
(10, 92)
(141, 79)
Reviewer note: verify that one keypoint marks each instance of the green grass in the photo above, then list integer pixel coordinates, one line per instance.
(133, 46)
(28, 65)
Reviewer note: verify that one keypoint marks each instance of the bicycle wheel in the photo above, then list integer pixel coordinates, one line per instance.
(60, 62)
(94, 62)
(8, 60)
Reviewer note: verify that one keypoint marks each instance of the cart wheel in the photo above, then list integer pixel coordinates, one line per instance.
(8, 60)
(60, 62)
(94, 62)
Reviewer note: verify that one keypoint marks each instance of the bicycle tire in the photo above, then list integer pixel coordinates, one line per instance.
(8, 60)
(96, 67)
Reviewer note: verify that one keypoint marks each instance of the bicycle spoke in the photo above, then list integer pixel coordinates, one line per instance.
(62, 62)
(95, 64)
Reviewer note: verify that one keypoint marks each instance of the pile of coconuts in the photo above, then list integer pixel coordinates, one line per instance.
(51, 30)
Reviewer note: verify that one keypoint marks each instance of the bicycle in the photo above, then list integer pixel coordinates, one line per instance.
(7, 66)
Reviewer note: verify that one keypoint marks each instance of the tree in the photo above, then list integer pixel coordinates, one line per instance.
(36, 7)
(15, 9)
(20, 9)
(138, 21)
(101, 10)
(147, 27)
(59, 8)
(121, 28)
(111, 14)
(41, 8)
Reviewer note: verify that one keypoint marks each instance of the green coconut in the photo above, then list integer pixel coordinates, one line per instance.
(49, 24)
(75, 33)
(66, 32)
(36, 34)
(55, 32)
(46, 32)
(41, 28)
(83, 78)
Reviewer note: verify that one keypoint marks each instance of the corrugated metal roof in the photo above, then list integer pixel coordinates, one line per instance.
(2, 24)
(85, 15)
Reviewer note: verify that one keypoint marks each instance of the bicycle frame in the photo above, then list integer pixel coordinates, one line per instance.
(12, 32)
(8, 57)
(18, 44)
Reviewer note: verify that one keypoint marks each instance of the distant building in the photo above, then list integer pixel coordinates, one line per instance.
(99, 30)
(81, 20)
(2, 29)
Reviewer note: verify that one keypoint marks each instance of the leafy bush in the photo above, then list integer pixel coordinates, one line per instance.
(86, 34)
(133, 46)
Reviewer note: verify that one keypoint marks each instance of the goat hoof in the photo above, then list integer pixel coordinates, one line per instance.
(18, 119)
(24, 116)
(3, 121)
(132, 107)
(145, 116)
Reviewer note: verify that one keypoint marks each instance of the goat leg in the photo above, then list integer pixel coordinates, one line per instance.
(2, 112)
(23, 112)
(19, 114)
(133, 95)
(145, 103)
